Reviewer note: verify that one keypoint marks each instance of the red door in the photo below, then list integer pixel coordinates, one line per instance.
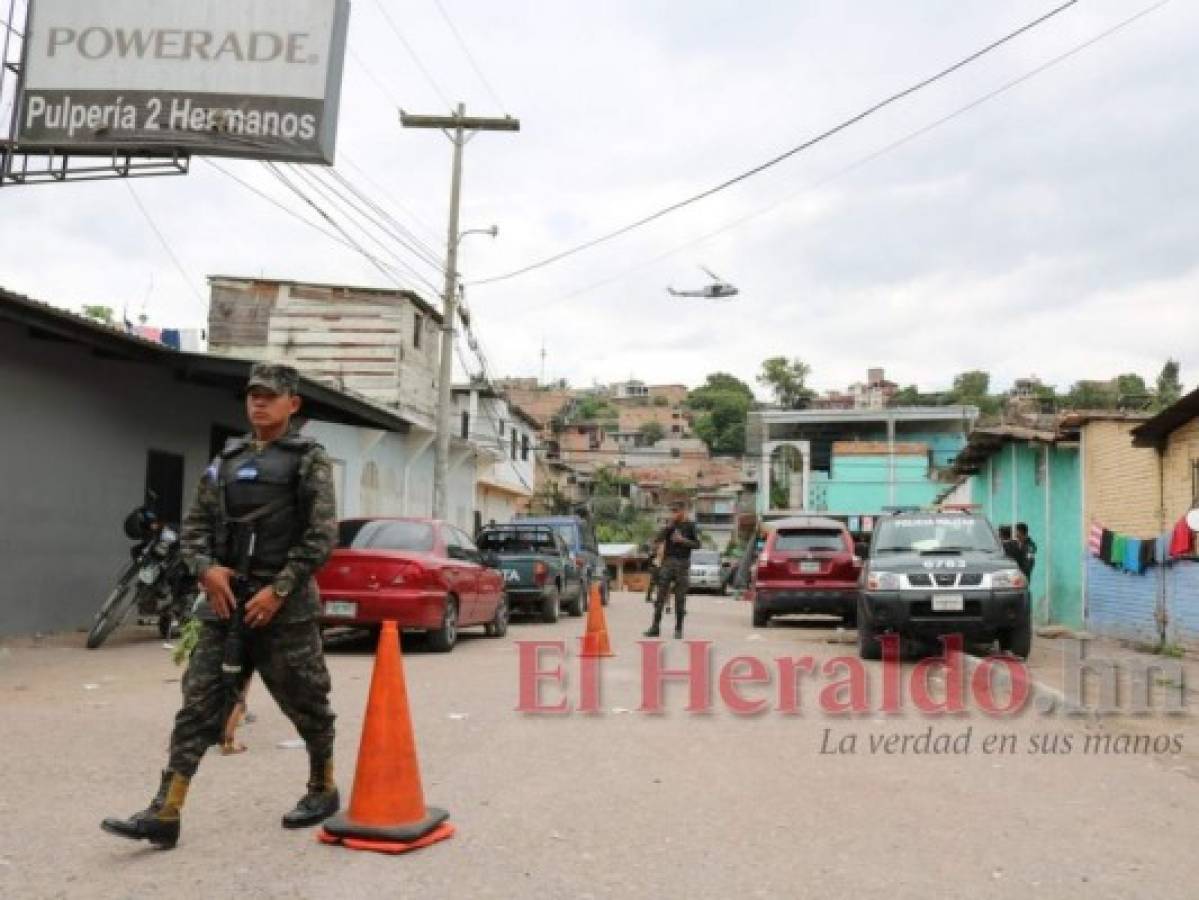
(462, 574)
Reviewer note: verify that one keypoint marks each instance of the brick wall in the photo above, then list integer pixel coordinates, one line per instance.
(1181, 455)
(1122, 482)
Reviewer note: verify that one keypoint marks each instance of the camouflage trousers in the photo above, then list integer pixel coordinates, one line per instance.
(674, 577)
(289, 659)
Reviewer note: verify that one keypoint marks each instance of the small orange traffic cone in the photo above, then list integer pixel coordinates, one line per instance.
(387, 806)
(595, 640)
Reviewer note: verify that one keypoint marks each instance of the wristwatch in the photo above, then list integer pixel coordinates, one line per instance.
(284, 586)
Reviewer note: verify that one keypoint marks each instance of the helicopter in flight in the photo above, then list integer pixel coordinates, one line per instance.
(718, 290)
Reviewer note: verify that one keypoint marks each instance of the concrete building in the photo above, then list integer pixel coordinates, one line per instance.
(96, 417)
(505, 458)
(797, 471)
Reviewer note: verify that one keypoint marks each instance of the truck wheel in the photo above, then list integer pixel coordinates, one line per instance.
(550, 606)
(761, 617)
(868, 645)
(442, 639)
(575, 606)
(1018, 641)
(498, 626)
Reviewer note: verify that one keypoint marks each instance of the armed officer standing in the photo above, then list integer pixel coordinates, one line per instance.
(263, 521)
(679, 538)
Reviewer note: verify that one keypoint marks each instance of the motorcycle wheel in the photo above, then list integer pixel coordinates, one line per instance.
(112, 613)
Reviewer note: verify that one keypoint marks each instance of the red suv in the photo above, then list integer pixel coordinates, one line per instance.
(807, 566)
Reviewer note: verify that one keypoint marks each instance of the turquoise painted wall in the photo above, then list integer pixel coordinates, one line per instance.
(861, 484)
(1029, 483)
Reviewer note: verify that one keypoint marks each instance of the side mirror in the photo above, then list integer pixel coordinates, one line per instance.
(490, 559)
(861, 550)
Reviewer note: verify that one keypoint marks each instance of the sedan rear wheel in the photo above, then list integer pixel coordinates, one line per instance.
(443, 639)
(498, 626)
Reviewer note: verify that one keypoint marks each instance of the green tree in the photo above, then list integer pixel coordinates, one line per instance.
(1092, 395)
(652, 432)
(787, 380)
(1169, 386)
(908, 396)
(1131, 385)
(972, 385)
(723, 402)
(99, 313)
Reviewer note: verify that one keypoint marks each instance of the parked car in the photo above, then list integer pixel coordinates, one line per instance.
(539, 573)
(580, 538)
(706, 574)
(807, 565)
(930, 574)
(423, 574)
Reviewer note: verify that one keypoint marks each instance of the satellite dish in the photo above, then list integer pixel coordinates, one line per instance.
(1193, 520)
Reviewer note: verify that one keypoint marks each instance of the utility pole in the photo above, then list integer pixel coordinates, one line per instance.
(459, 128)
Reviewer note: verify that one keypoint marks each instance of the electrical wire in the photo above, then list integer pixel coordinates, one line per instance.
(432, 234)
(326, 180)
(779, 158)
(857, 164)
(470, 57)
(370, 73)
(389, 223)
(413, 54)
(299, 192)
(166, 245)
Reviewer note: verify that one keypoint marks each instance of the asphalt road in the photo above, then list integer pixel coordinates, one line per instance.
(620, 804)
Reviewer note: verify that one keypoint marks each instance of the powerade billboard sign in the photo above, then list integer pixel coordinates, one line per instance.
(250, 78)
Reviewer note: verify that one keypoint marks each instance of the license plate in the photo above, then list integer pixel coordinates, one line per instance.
(809, 567)
(342, 609)
(948, 603)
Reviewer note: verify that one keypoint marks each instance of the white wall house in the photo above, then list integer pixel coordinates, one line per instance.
(506, 461)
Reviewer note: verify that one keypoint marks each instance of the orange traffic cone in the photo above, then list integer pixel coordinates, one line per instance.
(595, 640)
(387, 807)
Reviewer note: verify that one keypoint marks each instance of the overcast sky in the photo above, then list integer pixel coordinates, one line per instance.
(1053, 230)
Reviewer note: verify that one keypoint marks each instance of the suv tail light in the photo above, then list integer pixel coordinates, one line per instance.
(541, 573)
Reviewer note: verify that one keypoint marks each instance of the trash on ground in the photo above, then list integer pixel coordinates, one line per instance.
(91, 687)
(458, 717)
(294, 744)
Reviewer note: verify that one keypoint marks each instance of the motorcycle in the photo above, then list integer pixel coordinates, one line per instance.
(155, 582)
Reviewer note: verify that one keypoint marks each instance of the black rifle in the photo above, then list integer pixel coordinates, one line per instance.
(236, 656)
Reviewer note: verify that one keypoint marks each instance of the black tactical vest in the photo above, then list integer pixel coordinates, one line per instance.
(251, 482)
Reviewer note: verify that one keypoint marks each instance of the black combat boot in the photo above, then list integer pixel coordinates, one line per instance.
(159, 822)
(322, 799)
(653, 629)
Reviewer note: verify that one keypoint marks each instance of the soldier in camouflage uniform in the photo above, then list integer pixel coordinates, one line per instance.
(263, 521)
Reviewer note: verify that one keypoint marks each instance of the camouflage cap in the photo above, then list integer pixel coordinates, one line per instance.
(273, 377)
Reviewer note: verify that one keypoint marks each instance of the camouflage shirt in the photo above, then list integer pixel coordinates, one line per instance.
(316, 541)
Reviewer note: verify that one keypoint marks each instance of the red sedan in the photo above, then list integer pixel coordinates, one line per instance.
(422, 574)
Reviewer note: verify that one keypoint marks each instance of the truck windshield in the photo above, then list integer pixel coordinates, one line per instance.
(518, 540)
(934, 533)
(705, 558)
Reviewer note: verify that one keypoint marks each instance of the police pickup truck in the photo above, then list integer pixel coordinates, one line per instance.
(934, 574)
(540, 575)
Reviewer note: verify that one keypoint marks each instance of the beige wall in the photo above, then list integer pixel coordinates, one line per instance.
(1181, 455)
(1121, 481)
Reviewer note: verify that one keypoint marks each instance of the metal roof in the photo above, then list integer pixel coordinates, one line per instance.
(321, 402)
(1156, 432)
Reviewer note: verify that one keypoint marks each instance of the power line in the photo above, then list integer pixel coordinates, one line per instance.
(470, 57)
(412, 53)
(859, 163)
(166, 245)
(299, 192)
(427, 228)
(330, 195)
(390, 224)
(782, 157)
(370, 73)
